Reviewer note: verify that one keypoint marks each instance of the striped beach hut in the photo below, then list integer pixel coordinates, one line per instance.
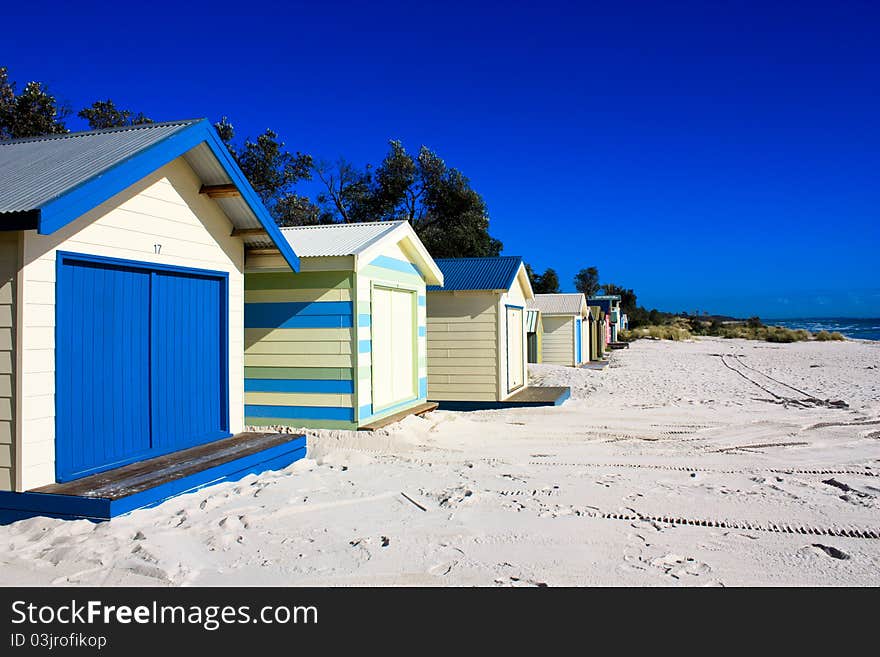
(122, 258)
(342, 343)
(563, 317)
(476, 330)
(534, 335)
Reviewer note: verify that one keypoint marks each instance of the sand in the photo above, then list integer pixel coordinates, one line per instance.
(668, 467)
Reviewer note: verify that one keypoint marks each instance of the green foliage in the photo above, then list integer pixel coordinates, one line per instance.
(754, 322)
(586, 281)
(273, 172)
(677, 331)
(32, 112)
(824, 336)
(763, 333)
(104, 114)
(449, 216)
(546, 283)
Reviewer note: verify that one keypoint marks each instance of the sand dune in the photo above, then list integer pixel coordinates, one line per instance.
(699, 463)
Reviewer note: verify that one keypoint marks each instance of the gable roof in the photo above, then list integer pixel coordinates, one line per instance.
(337, 239)
(47, 182)
(363, 241)
(560, 304)
(494, 273)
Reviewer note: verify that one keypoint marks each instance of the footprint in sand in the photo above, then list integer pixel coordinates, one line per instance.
(680, 567)
(233, 523)
(447, 558)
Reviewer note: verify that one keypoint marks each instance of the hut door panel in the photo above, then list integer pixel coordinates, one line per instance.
(515, 373)
(188, 361)
(393, 335)
(577, 340)
(403, 340)
(103, 367)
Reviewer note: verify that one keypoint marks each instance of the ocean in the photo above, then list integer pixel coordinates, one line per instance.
(862, 329)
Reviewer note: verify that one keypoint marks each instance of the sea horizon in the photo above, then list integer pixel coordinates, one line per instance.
(859, 328)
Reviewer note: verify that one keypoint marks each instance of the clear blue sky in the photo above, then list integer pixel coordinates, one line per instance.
(717, 156)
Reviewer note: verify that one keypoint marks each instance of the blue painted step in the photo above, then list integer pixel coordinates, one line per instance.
(18, 506)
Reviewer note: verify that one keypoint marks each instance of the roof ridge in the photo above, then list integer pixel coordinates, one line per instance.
(341, 224)
(88, 133)
(481, 258)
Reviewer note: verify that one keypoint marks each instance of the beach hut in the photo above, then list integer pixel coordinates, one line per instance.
(341, 344)
(477, 330)
(563, 317)
(594, 328)
(122, 258)
(534, 335)
(610, 305)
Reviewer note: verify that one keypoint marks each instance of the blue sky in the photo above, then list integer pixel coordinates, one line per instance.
(712, 156)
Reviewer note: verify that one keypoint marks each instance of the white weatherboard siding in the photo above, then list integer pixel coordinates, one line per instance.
(463, 339)
(559, 340)
(9, 246)
(161, 219)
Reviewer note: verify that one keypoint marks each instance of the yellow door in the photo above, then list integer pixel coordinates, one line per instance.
(393, 346)
(515, 345)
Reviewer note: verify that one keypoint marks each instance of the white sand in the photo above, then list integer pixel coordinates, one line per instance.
(517, 497)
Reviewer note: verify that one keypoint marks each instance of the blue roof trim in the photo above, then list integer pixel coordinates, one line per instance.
(514, 274)
(78, 200)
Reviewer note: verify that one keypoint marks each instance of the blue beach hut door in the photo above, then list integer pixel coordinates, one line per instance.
(141, 363)
(577, 341)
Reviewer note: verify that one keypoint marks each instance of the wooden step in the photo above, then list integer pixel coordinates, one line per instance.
(419, 409)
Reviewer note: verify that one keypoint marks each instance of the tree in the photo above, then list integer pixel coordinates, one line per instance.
(546, 283)
(273, 173)
(449, 216)
(348, 191)
(104, 114)
(586, 281)
(627, 296)
(32, 112)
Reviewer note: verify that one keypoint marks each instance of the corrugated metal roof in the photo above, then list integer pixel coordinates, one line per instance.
(496, 273)
(532, 317)
(558, 304)
(36, 170)
(336, 239)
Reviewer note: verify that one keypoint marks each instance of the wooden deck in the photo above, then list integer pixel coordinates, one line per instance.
(529, 396)
(545, 396)
(127, 480)
(146, 483)
(618, 345)
(421, 409)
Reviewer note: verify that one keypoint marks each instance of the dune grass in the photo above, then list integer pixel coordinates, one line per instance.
(682, 330)
(824, 336)
(656, 332)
